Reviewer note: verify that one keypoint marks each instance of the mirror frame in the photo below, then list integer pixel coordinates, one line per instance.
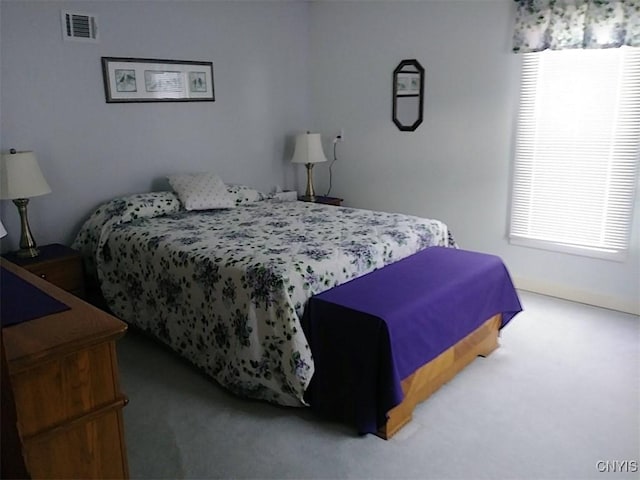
(402, 68)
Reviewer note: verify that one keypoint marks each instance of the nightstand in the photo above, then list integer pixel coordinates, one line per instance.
(322, 199)
(58, 264)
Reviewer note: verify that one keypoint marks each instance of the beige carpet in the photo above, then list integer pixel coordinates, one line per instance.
(560, 395)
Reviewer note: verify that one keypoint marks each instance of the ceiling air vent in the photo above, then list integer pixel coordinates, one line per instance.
(79, 27)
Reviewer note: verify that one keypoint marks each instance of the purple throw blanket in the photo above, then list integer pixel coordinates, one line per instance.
(370, 333)
(20, 301)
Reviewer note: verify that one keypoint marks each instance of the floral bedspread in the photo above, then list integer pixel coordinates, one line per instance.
(226, 289)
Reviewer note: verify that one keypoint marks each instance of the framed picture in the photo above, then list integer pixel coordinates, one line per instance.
(407, 84)
(149, 80)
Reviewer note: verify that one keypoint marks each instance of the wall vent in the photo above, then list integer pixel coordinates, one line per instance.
(79, 27)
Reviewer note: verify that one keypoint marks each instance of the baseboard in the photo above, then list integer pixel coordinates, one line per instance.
(577, 295)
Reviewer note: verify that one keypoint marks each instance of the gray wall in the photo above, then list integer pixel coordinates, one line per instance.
(52, 101)
(456, 166)
(281, 68)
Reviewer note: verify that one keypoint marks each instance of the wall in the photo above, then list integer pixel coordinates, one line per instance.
(52, 101)
(457, 165)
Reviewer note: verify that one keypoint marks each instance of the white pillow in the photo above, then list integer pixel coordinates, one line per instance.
(201, 191)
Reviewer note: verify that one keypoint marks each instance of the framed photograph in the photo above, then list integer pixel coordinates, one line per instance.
(150, 80)
(408, 84)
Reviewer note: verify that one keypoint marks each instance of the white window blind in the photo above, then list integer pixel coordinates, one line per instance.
(577, 151)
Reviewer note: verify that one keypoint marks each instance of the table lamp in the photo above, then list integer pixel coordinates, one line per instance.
(21, 179)
(308, 150)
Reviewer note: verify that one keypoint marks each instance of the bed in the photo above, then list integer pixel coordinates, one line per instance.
(227, 288)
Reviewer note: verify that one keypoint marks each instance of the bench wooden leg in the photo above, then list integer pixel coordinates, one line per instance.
(431, 376)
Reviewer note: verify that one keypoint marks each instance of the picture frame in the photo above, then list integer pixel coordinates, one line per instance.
(130, 80)
(408, 84)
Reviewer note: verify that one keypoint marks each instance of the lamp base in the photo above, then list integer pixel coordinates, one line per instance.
(27, 243)
(310, 192)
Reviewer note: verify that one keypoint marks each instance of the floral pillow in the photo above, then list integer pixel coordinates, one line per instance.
(243, 194)
(121, 210)
(202, 191)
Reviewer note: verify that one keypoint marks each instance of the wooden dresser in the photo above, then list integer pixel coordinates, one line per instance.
(64, 374)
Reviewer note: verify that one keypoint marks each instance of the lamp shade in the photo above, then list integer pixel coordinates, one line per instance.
(308, 149)
(3, 232)
(20, 176)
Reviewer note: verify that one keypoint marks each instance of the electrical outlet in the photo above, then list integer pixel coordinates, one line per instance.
(340, 136)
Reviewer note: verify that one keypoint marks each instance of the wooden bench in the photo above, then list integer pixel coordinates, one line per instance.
(387, 340)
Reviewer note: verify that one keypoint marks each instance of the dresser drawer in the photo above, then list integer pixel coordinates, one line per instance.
(65, 389)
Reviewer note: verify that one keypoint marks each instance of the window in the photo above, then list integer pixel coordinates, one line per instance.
(577, 151)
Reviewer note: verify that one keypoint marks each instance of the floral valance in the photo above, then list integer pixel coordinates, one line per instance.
(564, 24)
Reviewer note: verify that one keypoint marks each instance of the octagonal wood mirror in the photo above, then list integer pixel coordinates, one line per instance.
(408, 95)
